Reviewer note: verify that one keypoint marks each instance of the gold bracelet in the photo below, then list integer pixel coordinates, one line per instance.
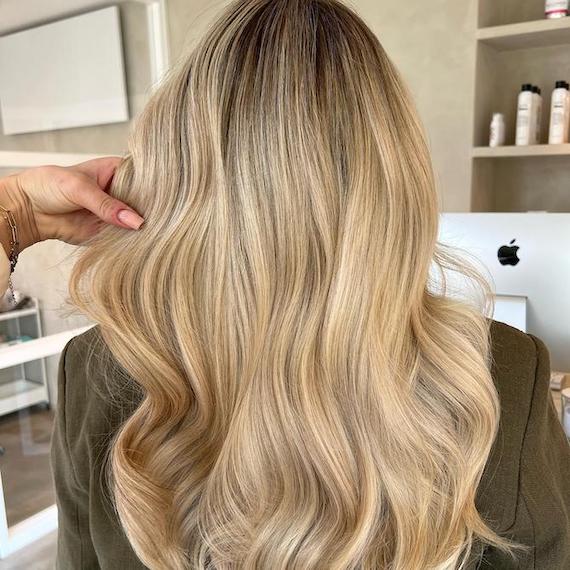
(14, 245)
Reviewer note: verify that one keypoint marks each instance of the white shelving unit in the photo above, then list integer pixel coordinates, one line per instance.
(517, 151)
(515, 45)
(524, 35)
(22, 383)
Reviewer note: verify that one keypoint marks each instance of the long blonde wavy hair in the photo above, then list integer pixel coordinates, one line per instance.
(310, 401)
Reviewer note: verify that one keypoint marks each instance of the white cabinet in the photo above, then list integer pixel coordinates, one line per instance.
(23, 382)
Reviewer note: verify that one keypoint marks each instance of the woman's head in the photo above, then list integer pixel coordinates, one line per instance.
(308, 402)
(286, 129)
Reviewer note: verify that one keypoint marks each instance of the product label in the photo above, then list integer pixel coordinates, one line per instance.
(558, 119)
(523, 134)
(558, 114)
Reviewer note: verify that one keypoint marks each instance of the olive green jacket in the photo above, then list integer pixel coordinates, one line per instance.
(524, 493)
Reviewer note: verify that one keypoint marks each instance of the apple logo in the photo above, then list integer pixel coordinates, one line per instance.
(507, 254)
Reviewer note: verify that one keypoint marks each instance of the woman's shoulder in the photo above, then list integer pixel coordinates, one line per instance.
(82, 356)
(84, 364)
(95, 390)
(514, 351)
(525, 489)
(88, 358)
(520, 363)
(83, 347)
(519, 367)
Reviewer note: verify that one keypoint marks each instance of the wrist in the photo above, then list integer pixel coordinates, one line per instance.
(14, 199)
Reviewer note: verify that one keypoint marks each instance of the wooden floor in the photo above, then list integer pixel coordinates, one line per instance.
(37, 556)
(28, 484)
(25, 467)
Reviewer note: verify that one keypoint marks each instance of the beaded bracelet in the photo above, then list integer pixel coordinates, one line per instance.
(14, 245)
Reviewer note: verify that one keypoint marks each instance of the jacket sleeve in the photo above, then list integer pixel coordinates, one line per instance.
(545, 473)
(74, 546)
(542, 520)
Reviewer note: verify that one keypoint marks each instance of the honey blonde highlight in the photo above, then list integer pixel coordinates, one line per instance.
(310, 401)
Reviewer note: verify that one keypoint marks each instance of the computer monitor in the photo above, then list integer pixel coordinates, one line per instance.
(525, 255)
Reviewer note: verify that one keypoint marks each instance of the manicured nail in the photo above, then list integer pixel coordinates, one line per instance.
(130, 218)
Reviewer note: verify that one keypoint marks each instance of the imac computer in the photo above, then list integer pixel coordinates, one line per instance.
(526, 257)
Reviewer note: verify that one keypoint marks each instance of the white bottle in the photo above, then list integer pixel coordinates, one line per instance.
(536, 93)
(497, 135)
(558, 133)
(525, 116)
(556, 8)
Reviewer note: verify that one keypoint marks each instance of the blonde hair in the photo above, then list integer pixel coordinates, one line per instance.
(310, 400)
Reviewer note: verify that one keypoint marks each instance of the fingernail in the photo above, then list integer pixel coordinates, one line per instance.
(130, 218)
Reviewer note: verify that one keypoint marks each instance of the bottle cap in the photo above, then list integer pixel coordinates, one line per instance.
(526, 87)
(560, 84)
(534, 89)
(498, 116)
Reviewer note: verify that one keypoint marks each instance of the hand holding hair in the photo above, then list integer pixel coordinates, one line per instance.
(66, 203)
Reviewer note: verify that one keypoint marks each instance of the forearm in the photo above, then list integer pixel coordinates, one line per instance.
(12, 198)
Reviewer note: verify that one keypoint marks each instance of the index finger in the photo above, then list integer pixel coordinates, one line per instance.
(101, 170)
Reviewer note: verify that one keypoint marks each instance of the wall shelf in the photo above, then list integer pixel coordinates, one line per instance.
(515, 45)
(37, 349)
(21, 393)
(7, 315)
(542, 33)
(521, 151)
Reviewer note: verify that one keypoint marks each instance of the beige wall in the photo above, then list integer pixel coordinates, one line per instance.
(433, 46)
(432, 43)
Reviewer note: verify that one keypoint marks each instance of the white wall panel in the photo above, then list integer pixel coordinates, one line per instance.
(65, 74)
